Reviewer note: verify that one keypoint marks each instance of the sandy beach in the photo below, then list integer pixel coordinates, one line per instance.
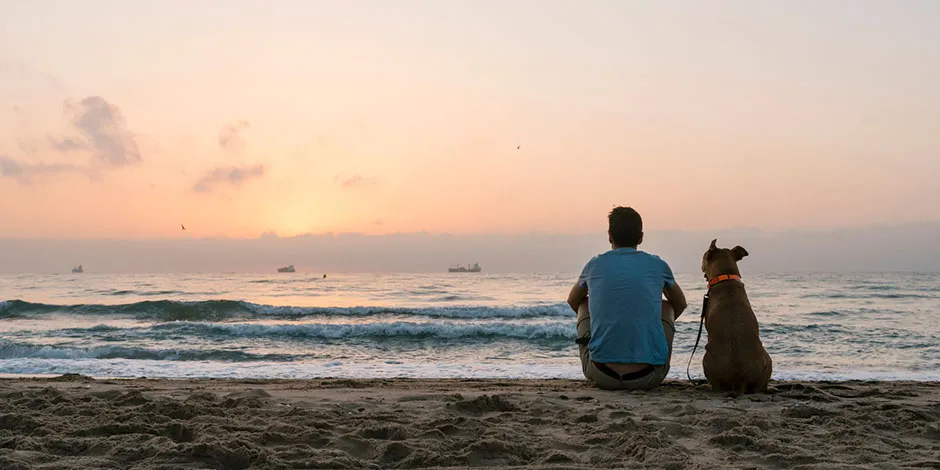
(74, 422)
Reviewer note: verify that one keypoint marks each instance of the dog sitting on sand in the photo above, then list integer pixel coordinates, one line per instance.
(735, 360)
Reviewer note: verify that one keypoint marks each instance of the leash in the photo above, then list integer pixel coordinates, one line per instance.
(697, 339)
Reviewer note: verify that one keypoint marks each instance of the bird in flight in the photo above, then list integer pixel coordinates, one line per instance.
(518, 147)
(183, 226)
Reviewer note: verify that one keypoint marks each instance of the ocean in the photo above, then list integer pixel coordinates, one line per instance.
(300, 325)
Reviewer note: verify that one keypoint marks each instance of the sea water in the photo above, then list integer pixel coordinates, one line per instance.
(297, 325)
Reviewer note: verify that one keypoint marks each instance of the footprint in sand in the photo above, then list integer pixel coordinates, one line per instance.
(252, 398)
(203, 396)
(484, 404)
(353, 445)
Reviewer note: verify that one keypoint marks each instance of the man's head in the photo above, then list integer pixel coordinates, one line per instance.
(625, 227)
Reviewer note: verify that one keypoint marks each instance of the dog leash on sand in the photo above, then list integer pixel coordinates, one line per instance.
(697, 339)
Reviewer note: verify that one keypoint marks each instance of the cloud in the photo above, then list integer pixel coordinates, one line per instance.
(102, 126)
(67, 144)
(230, 138)
(355, 181)
(233, 176)
(9, 167)
(102, 133)
(28, 146)
(23, 172)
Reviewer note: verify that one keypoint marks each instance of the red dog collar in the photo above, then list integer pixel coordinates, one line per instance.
(723, 278)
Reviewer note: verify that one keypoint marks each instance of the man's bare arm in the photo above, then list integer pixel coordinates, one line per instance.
(675, 297)
(576, 296)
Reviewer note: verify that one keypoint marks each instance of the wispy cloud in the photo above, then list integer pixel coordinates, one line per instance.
(232, 176)
(230, 138)
(67, 144)
(103, 131)
(355, 181)
(28, 146)
(24, 172)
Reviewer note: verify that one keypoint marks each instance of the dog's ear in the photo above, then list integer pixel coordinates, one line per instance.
(739, 253)
(713, 246)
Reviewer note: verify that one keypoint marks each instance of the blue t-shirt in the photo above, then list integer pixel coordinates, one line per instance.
(625, 288)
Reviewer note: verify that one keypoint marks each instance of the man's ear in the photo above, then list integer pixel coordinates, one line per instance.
(610, 238)
(739, 253)
(713, 246)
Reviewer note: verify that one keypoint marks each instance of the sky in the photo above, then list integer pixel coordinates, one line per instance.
(124, 120)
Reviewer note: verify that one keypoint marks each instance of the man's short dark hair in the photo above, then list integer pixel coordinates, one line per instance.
(625, 226)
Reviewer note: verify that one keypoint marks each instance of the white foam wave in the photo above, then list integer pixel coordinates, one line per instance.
(12, 350)
(441, 330)
(569, 369)
(553, 310)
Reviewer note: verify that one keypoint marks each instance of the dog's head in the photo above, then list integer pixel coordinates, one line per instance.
(717, 261)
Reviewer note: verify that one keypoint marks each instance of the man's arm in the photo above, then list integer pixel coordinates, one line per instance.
(580, 290)
(675, 297)
(577, 295)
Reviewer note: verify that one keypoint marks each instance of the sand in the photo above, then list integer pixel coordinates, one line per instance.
(76, 422)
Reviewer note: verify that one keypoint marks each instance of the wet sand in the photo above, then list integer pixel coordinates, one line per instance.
(73, 422)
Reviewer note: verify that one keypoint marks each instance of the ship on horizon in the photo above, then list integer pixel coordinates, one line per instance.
(286, 269)
(77, 270)
(462, 269)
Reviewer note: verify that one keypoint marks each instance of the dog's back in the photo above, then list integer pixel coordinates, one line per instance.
(735, 359)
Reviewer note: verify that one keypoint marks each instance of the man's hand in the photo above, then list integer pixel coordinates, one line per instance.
(675, 297)
(576, 296)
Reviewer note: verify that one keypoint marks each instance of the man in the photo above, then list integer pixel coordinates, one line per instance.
(625, 328)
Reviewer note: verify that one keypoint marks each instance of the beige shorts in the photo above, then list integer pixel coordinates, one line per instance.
(607, 382)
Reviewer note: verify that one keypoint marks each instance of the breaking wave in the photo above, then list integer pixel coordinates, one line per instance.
(218, 310)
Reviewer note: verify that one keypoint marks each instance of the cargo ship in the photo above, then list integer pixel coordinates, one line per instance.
(465, 269)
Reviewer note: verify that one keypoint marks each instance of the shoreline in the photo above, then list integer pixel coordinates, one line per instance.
(913, 378)
(668, 383)
(74, 422)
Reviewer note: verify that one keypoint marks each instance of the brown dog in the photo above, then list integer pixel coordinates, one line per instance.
(735, 360)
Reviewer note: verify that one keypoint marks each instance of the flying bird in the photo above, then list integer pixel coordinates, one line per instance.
(518, 147)
(183, 226)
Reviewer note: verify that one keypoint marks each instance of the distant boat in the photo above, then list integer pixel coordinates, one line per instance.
(77, 270)
(461, 269)
(286, 269)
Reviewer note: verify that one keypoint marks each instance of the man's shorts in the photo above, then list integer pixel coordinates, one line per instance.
(607, 379)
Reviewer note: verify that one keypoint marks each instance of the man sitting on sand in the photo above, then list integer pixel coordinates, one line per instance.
(625, 328)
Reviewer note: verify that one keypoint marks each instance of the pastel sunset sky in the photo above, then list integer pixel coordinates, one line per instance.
(126, 119)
